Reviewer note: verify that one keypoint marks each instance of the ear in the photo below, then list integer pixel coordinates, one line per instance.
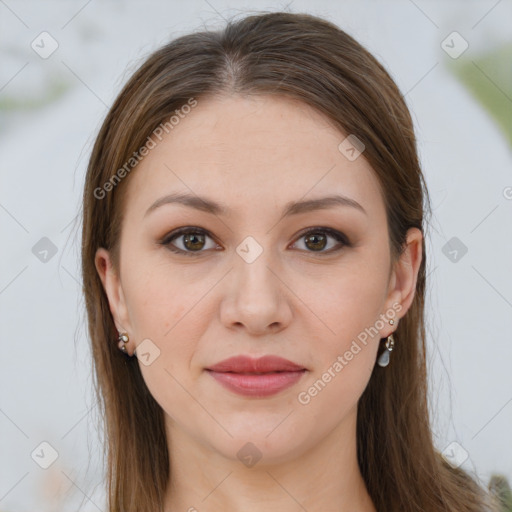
(112, 285)
(402, 285)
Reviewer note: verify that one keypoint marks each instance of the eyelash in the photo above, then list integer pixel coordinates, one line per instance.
(337, 235)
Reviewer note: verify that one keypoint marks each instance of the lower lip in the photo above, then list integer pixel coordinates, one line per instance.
(266, 384)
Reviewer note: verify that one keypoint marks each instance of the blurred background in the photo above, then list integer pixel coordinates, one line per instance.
(62, 64)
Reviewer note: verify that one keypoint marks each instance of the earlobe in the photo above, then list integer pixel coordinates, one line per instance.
(112, 286)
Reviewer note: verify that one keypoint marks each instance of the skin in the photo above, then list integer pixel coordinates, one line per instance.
(255, 155)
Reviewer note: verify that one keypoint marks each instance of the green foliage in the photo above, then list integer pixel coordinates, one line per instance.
(499, 487)
(489, 79)
(51, 93)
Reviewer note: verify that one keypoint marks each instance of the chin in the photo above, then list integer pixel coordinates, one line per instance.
(261, 446)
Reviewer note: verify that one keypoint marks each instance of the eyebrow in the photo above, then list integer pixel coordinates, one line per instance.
(291, 208)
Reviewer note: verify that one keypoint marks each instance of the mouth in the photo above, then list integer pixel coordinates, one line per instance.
(256, 377)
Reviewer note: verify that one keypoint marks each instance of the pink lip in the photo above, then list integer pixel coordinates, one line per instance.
(261, 377)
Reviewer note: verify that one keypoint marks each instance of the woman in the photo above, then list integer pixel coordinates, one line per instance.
(253, 234)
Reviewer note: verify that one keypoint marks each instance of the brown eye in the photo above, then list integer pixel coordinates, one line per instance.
(317, 239)
(191, 240)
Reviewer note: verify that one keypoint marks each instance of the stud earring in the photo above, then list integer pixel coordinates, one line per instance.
(383, 359)
(122, 340)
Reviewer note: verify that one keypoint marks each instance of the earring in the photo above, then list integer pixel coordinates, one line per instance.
(383, 359)
(122, 340)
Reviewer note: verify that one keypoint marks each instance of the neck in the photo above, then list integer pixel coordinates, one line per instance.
(323, 477)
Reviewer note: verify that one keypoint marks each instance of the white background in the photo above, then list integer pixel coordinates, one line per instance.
(45, 367)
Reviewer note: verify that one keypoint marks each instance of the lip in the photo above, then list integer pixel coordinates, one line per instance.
(247, 364)
(261, 377)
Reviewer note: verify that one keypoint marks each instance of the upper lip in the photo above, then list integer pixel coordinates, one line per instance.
(265, 364)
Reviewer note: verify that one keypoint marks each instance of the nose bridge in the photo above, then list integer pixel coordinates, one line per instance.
(253, 261)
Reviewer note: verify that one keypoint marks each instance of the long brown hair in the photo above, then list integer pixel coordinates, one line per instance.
(306, 58)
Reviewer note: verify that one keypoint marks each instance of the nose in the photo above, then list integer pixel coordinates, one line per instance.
(256, 298)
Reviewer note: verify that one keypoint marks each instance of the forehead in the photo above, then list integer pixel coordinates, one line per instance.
(256, 150)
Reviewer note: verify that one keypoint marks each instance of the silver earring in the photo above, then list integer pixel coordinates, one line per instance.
(384, 357)
(122, 340)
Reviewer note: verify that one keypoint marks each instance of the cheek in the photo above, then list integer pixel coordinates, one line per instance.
(164, 309)
(158, 312)
(350, 302)
(154, 300)
(348, 310)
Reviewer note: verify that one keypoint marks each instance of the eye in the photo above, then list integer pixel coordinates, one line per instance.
(193, 240)
(316, 239)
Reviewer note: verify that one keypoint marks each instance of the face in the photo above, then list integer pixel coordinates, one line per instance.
(256, 277)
